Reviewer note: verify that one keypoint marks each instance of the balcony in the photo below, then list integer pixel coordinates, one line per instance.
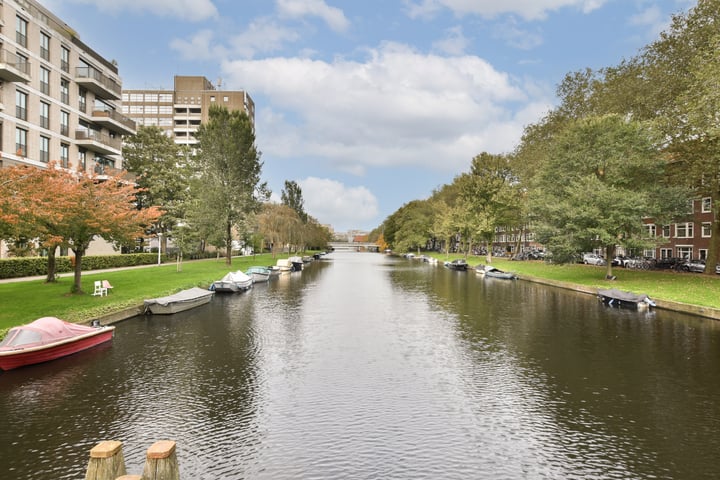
(98, 142)
(114, 121)
(13, 68)
(98, 83)
(104, 171)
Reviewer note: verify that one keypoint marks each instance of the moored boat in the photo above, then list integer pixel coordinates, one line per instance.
(49, 338)
(259, 274)
(233, 282)
(619, 298)
(296, 263)
(179, 302)
(492, 272)
(284, 265)
(459, 264)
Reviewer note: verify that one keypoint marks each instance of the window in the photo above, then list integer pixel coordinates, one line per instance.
(82, 99)
(706, 205)
(44, 149)
(44, 46)
(44, 115)
(64, 123)
(166, 97)
(666, 253)
(151, 97)
(21, 31)
(684, 251)
(691, 206)
(212, 98)
(22, 64)
(21, 142)
(21, 105)
(706, 230)
(65, 91)
(650, 231)
(165, 109)
(82, 158)
(136, 109)
(702, 254)
(65, 59)
(666, 231)
(45, 80)
(136, 97)
(684, 230)
(64, 154)
(226, 99)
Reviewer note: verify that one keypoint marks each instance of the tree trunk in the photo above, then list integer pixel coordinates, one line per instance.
(77, 282)
(609, 255)
(51, 266)
(228, 244)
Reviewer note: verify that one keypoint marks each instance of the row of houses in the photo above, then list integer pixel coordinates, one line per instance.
(689, 239)
(62, 101)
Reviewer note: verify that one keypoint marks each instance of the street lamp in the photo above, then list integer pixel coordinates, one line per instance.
(159, 247)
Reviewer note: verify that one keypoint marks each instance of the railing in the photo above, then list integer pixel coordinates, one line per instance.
(9, 58)
(114, 115)
(102, 79)
(85, 134)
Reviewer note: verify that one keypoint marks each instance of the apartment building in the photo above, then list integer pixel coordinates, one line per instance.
(59, 99)
(179, 112)
(65, 95)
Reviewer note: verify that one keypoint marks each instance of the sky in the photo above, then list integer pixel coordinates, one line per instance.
(370, 104)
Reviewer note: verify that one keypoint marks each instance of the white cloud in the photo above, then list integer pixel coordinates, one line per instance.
(200, 46)
(653, 18)
(527, 9)
(190, 10)
(454, 42)
(262, 36)
(398, 107)
(334, 17)
(341, 206)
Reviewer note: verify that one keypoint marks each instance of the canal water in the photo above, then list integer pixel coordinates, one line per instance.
(365, 366)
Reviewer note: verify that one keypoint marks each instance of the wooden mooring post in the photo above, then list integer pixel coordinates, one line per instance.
(107, 462)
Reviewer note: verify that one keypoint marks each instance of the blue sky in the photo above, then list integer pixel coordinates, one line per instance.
(370, 104)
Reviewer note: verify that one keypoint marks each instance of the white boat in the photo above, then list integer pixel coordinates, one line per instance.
(259, 274)
(178, 302)
(284, 265)
(233, 282)
(296, 263)
(492, 272)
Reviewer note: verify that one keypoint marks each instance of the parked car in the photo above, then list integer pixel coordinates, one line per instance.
(593, 259)
(669, 262)
(696, 265)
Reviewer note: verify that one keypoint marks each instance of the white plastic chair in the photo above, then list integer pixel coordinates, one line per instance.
(99, 289)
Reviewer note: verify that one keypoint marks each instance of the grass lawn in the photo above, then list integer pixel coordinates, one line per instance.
(690, 288)
(23, 302)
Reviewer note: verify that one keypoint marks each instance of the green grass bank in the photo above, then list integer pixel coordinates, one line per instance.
(25, 301)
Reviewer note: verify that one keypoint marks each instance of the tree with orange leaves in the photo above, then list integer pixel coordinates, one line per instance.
(66, 208)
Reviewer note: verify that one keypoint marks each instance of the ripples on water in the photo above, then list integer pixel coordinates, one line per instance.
(363, 366)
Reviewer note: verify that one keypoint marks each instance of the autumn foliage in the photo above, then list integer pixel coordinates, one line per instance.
(60, 207)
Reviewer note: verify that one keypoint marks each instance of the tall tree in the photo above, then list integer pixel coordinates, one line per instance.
(228, 189)
(163, 173)
(491, 197)
(604, 177)
(276, 223)
(292, 196)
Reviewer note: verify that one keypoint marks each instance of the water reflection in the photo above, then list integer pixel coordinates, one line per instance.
(367, 366)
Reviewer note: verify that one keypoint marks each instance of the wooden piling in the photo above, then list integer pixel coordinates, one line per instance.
(161, 462)
(106, 461)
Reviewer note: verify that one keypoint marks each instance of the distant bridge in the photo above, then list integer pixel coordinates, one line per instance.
(355, 246)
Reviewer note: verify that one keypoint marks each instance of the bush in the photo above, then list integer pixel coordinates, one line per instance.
(35, 266)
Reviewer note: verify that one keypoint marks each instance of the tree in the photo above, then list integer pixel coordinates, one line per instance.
(228, 189)
(61, 207)
(292, 196)
(276, 223)
(162, 171)
(491, 197)
(604, 176)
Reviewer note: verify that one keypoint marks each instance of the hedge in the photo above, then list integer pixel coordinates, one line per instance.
(34, 266)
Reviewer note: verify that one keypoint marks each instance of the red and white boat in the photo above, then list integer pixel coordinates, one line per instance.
(48, 338)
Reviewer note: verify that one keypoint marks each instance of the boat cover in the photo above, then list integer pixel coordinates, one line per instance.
(183, 296)
(42, 331)
(626, 296)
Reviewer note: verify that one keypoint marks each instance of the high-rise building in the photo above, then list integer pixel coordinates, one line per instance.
(66, 96)
(179, 112)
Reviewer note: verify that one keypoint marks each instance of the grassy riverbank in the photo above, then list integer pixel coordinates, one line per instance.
(24, 301)
(681, 287)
